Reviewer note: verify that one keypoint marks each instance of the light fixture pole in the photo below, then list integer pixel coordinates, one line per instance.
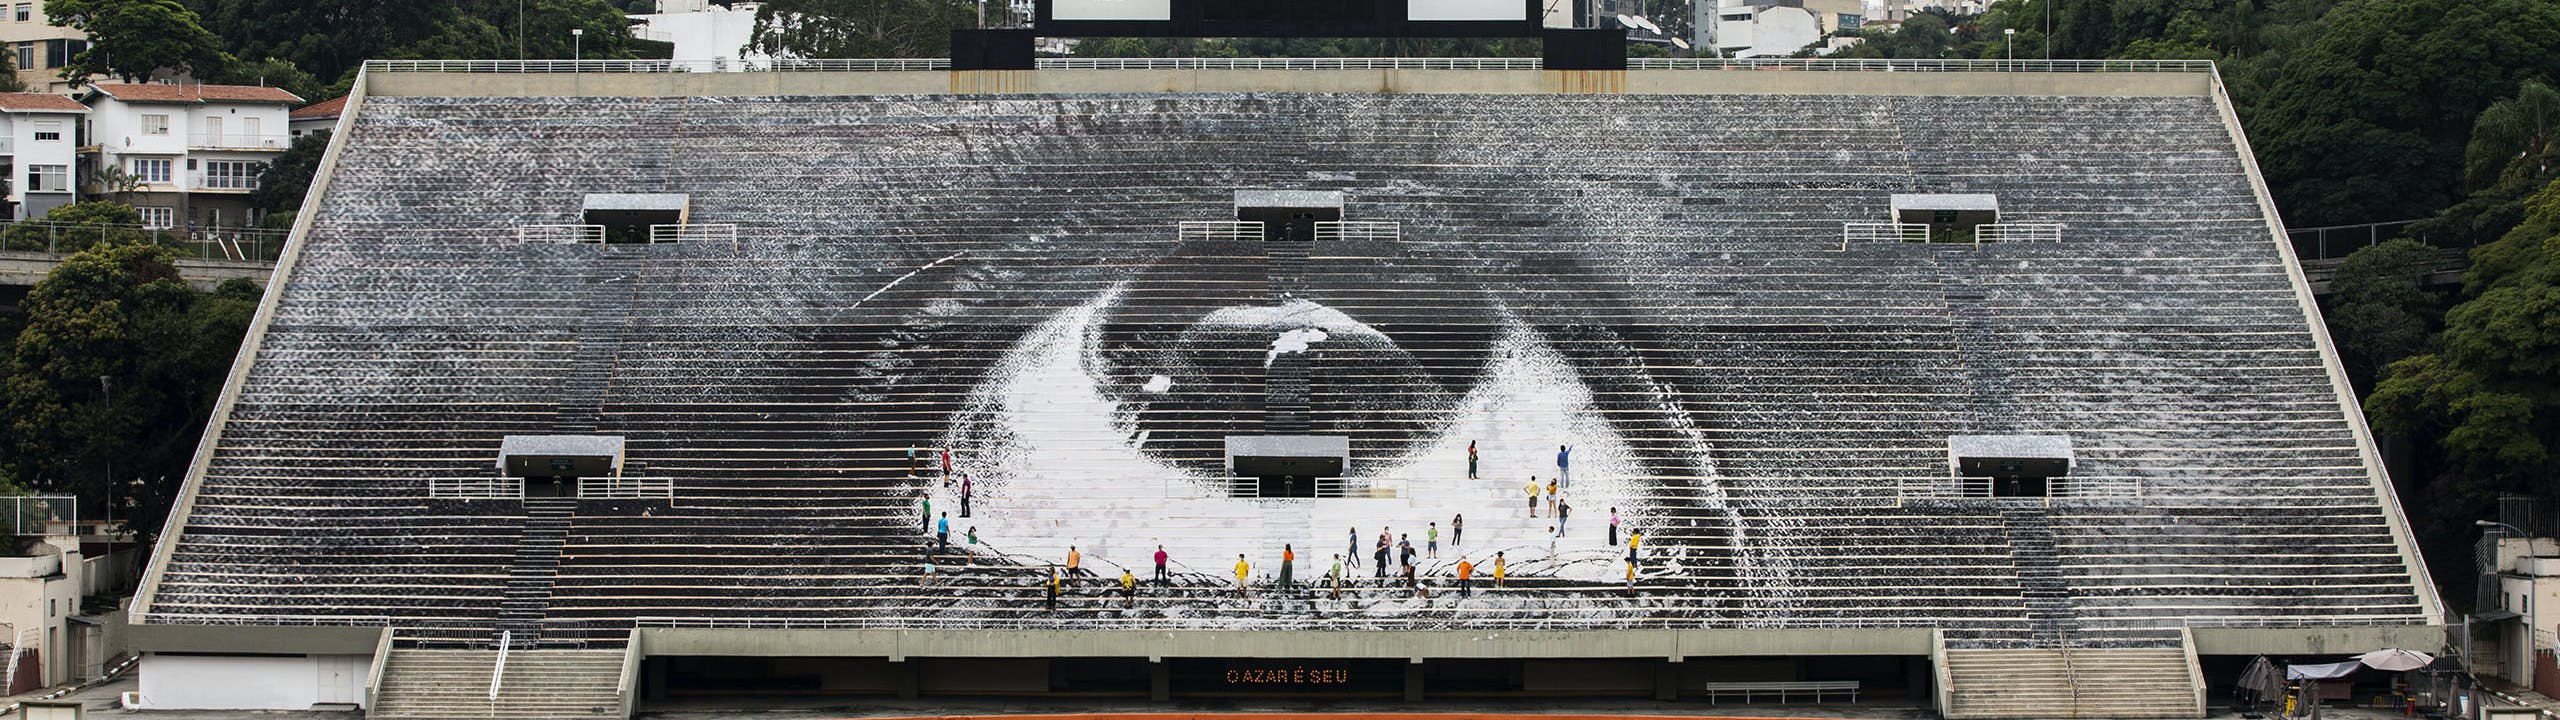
(2012, 35)
(577, 43)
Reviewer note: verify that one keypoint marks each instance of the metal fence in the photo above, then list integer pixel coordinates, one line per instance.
(221, 243)
(2337, 241)
(626, 487)
(1371, 63)
(28, 514)
(1875, 232)
(1218, 230)
(2017, 232)
(1359, 230)
(694, 233)
(560, 233)
(476, 488)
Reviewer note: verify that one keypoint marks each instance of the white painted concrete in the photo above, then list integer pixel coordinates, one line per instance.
(201, 682)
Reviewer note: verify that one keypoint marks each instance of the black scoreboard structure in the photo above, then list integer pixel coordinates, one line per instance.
(1565, 48)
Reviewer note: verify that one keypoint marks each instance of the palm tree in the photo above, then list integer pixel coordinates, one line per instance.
(114, 181)
(2516, 128)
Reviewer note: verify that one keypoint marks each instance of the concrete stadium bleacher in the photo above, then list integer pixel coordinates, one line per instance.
(1683, 252)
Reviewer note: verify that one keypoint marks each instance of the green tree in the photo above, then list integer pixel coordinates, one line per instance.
(860, 28)
(326, 38)
(2369, 121)
(2380, 307)
(131, 39)
(287, 178)
(271, 72)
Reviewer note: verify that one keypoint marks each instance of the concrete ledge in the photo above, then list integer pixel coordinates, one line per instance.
(28, 268)
(902, 644)
(246, 639)
(1498, 82)
(2316, 640)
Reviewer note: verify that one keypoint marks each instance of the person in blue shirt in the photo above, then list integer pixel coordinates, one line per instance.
(942, 534)
(1564, 464)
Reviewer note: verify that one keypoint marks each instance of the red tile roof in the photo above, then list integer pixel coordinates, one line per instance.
(195, 93)
(39, 102)
(322, 110)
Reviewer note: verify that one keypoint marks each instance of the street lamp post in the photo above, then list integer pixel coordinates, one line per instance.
(2011, 34)
(2531, 652)
(577, 43)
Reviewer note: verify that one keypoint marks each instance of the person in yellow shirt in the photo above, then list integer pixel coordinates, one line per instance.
(1533, 497)
(1128, 589)
(1501, 569)
(1635, 541)
(1242, 569)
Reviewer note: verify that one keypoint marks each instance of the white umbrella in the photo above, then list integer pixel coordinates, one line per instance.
(2396, 659)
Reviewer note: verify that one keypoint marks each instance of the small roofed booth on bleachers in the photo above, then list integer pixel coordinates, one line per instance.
(552, 464)
(1946, 213)
(2016, 465)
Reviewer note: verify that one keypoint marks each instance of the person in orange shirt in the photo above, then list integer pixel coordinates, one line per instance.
(1466, 578)
(1075, 561)
(1288, 560)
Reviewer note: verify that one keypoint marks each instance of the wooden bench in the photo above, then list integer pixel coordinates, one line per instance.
(1816, 688)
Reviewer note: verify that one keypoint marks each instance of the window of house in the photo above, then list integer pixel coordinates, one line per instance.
(158, 218)
(150, 170)
(155, 124)
(26, 11)
(49, 178)
(27, 56)
(48, 130)
(231, 174)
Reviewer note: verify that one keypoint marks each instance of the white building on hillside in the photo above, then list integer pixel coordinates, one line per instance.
(1772, 28)
(36, 47)
(704, 33)
(39, 135)
(196, 149)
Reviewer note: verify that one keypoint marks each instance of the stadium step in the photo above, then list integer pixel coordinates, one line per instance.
(608, 312)
(537, 566)
(2064, 682)
(425, 683)
(1286, 399)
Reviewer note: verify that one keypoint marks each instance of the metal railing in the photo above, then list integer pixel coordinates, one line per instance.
(1005, 623)
(498, 674)
(2301, 622)
(2094, 487)
(694, 233)
(626, 487)
(476, 488)
(1876, 232)
(1407, 63)
(268, 141)
(2337, 241)
(1359, 230)
(1218, 230)
(2017, 232)
(1331, 487)
(211, 181)
(220, 243)
(560, 233)
(2065, 487)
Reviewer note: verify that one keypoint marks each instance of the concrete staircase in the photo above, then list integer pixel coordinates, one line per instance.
(443, 684)
(2007, 684)
(1286, 405)
(537, 566)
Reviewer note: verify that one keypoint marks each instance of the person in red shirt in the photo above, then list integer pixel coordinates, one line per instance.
(1162, 577)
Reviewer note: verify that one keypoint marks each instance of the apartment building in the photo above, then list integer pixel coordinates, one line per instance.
(196, 150)
(37, 48)
(38, 149)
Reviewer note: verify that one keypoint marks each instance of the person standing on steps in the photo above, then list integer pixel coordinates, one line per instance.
(1336, 577)
(1466, 578)
(1631, 579)
(1635, 541)
(942, 535)
(1162, 577)
(1404, 552)
(1355, 548)
(927, 580)
(1053, 588)
(1412, 587)
(1075, 563)
(911, 459)
(1563, 510)
(1551, 497)
(1242, 570)
(946, 466)
(1552, 535)
(1564, 463)
(1533, 497)
(1382, 559)
(970, 557)
(1501, 570)
(1613, 527)
(1288, 564)
(1431, 542)
(1128, 589)
(1457, 530)
(924, 510)
(1471, 459)
(964, 494)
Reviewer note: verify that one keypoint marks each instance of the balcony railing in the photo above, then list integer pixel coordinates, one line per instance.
(239, 141)
(206, 181)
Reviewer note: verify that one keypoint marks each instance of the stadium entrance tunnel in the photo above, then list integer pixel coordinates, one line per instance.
(1302, 466)
(627, 217)
(677, 682)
